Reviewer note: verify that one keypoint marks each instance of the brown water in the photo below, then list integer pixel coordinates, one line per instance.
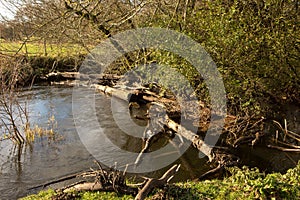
(44, 160)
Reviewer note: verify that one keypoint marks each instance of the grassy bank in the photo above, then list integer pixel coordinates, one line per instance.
(33, 60)
(244, 183)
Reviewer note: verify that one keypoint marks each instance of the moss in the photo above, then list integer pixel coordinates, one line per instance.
(45, 194)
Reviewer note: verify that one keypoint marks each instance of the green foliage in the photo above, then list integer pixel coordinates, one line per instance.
(255, 45)
(103, 196)
(244, 183)
(44, 195)
(49, 194)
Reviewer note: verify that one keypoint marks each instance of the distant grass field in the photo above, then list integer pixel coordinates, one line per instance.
(37, 49)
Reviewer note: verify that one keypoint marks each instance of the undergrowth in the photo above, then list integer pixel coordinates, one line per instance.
(244, 183)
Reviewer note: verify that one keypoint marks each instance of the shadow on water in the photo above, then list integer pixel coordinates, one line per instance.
(23, 167)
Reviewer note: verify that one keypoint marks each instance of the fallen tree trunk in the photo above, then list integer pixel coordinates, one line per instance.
(180, 130)
(97, 186)
(94, 78)
(189, 135)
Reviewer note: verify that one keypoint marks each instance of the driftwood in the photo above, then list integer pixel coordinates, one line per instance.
(156, 183)
(166, 120)
(144, 150)
(113, 181)
(96, 186)
(189, 135)
(110, 180)
(93, 78)
(284, 149)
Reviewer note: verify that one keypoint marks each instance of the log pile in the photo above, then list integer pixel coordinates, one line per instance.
(59, 77)
(110, 180)
(171, 108)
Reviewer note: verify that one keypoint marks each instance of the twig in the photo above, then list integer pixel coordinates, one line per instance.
(284, 149)
(289, 145)
(286, 131)
(212, 171)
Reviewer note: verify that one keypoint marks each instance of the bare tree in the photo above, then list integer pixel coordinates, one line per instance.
(13, 115)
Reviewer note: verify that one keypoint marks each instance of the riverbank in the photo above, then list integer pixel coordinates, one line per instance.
(243, 183)
(33, 69)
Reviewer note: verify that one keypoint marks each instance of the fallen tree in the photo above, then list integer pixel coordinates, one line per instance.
(166, 120)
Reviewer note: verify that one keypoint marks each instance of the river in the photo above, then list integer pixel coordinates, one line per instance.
(48, 159)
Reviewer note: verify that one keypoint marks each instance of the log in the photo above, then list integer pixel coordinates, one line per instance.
(96, 186)
(180, 130)
(122, 188)
(119, 93)
(61, 76)
(189, 135)
(284, 149)
(125, 93)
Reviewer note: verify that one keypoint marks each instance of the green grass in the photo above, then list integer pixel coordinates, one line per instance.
(45, 194)
(37, 49)
(244, 183)
(48, 194)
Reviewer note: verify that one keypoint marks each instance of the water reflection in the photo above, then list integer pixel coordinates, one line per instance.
(25, 166)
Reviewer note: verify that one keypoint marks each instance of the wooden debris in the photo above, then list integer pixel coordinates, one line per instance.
(283, 149)
(114, 181)
(157, 183)
(108, 79)
(166, 120)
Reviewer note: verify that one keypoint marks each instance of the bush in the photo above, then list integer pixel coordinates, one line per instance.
(255, 45)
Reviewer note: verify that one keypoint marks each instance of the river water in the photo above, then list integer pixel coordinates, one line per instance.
(48, 159)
